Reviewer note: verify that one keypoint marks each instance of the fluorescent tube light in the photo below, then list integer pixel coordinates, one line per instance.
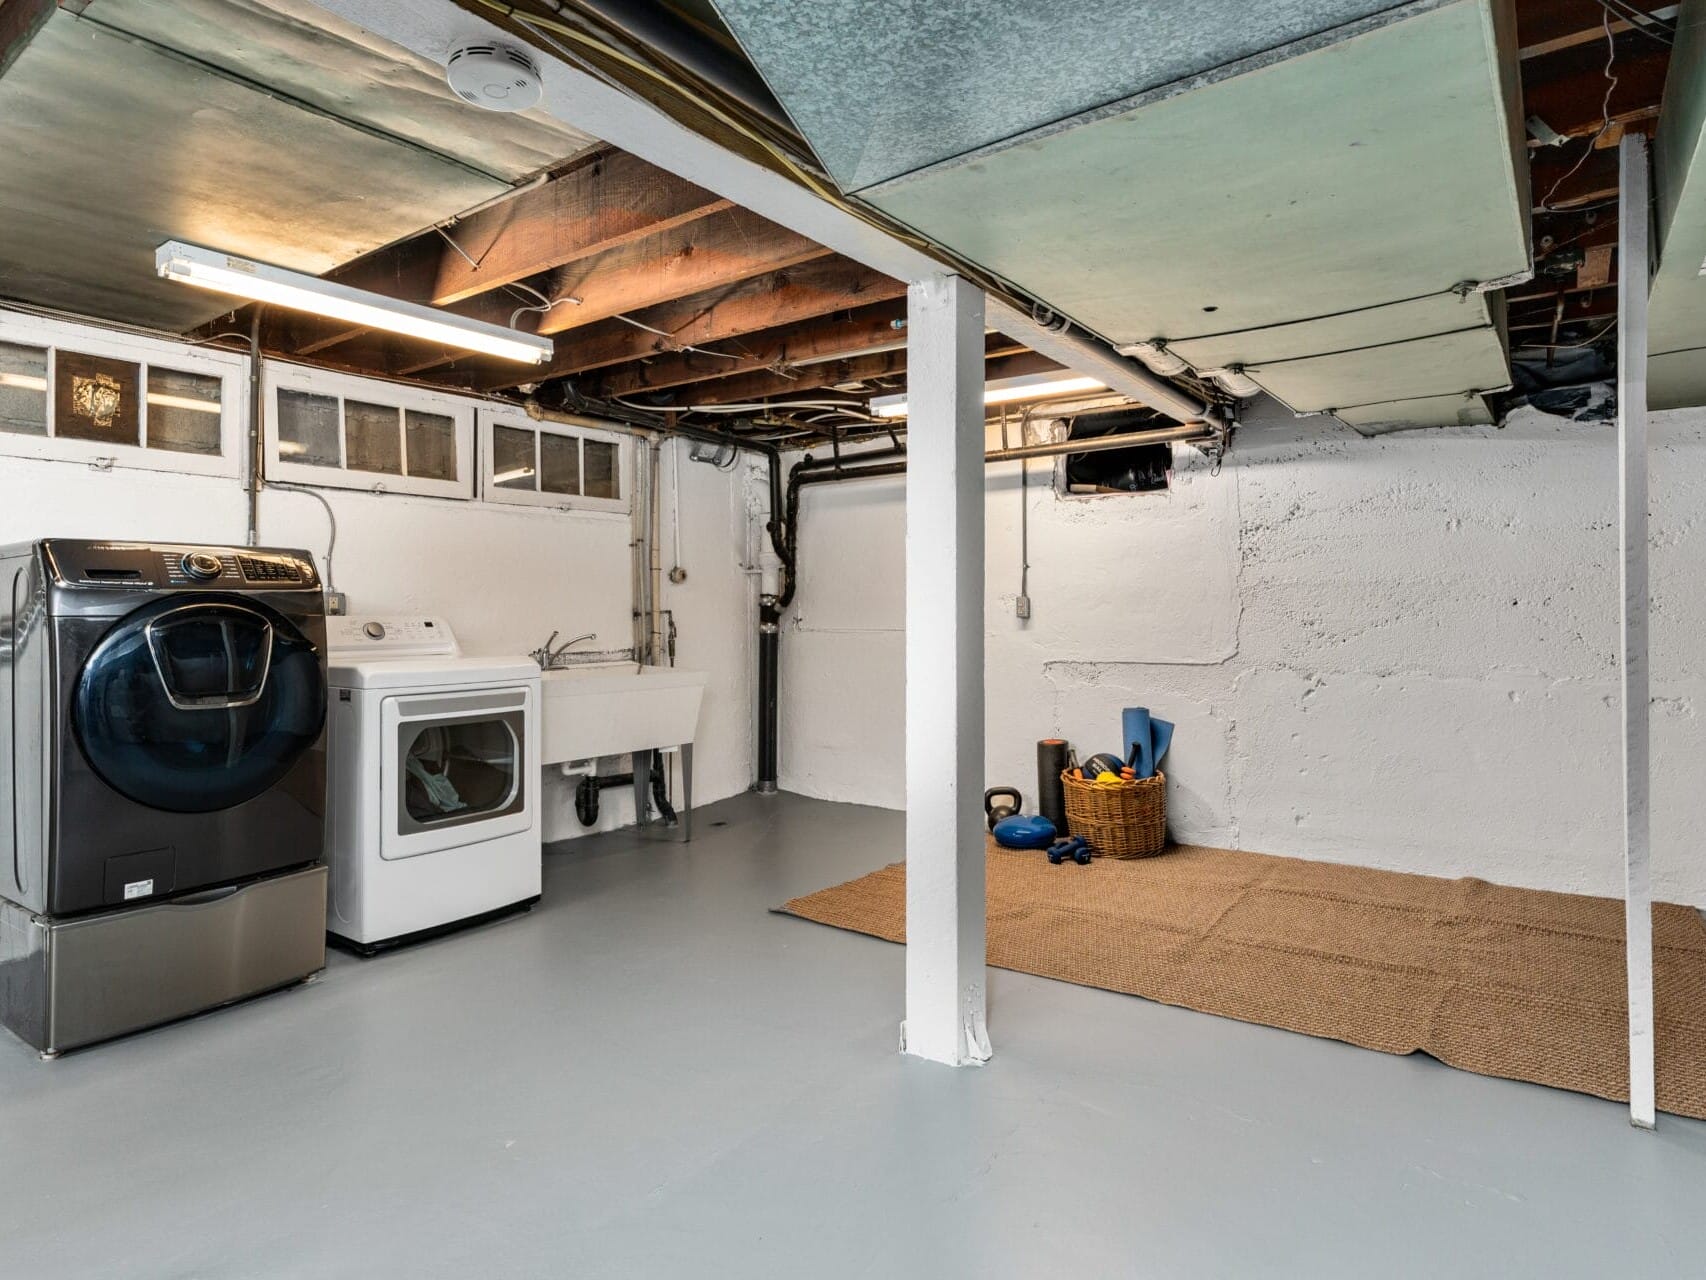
(183, 402)
(1030, 386)
(223, 273)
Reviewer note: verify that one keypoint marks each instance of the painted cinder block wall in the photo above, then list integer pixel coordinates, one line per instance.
(1399, 652)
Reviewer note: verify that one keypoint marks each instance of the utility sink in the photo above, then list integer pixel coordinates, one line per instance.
(610, 709)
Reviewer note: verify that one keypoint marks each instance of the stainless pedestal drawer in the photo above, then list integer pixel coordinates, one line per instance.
(66, 983)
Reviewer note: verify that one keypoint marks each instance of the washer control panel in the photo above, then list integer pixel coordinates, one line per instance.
(391, 637)
(78, 562)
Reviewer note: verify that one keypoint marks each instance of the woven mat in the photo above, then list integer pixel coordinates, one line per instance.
(1507, 982)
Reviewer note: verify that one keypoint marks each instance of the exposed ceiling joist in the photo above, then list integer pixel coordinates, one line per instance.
(1567, 91)
(803, 292)
(720, 250)
(750, 387)
(593, 209)
(1565, 24)
(874, 328)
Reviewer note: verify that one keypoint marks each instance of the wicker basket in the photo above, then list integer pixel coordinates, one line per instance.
(1120, 819)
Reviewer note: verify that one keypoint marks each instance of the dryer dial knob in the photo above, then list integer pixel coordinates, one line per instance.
(373, 630)
(202, 565)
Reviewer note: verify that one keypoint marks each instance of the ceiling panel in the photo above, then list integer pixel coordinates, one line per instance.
(1364, 327)
(1676, 317)
(1431, 411)
(114, 144)
(1379, 168)
(1470, 360)
(294, 47)
(931, 81)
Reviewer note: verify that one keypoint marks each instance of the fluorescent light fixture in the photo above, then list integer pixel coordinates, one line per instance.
(519, 473)
(223, 273)
(23, 381)
(1029, 386)
(183, 402)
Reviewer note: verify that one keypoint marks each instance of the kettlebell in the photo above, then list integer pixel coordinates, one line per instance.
(995, 812)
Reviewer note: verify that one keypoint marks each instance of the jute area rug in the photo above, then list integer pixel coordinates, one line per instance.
(1516, 983)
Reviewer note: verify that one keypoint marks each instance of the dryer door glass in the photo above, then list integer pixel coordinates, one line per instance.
(199, 705)
(459, 770)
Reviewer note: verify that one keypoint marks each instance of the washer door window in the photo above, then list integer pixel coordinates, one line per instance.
(199, 705)
(458, 772)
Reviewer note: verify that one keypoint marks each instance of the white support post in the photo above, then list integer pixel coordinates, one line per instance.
(944, 674)
(1632, 288)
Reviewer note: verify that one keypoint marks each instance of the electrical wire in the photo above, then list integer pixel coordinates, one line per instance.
(546, 303)
(1605, 117)
(331, 519)
(675, 346)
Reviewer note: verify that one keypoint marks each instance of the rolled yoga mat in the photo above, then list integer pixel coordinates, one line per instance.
(1051, 795)
(1134, 730)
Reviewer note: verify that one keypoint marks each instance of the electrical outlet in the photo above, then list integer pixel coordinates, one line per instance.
(1022, 606)
(337, 604)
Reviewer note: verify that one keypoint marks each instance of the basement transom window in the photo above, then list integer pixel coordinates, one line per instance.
(570, 466)
(1144, 468)
(81, 394)
(355, 433)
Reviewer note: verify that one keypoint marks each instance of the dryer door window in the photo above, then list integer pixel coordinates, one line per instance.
(199, 705)
(462, 770)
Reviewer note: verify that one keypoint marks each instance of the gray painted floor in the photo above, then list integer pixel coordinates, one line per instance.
(651, 1076)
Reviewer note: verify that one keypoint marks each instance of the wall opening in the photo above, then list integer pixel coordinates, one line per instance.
(1141, 469)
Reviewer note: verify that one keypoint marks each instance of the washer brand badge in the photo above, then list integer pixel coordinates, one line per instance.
(138, 889)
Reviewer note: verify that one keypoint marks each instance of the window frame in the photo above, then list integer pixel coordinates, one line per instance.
(231, 368)
(280, 376)
(579, 428)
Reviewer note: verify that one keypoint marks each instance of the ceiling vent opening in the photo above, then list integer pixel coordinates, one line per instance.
(494, 76)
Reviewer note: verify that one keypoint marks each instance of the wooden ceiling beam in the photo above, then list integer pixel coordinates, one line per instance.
(1567, 91)
(794, 294)
(615, 200)
(1551, 26)
(830, 337)
(743, 388)
(713, 252)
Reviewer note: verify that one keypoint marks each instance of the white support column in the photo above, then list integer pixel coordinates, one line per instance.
(1632, 288)
(944, 674)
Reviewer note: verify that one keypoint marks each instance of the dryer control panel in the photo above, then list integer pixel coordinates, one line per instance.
(378, 636)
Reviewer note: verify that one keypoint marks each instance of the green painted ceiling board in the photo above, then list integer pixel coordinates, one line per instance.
(1430, 411)
(1379, 168)
(1441, 313)
(1676, 316)
(1472, 360)
(882, 88)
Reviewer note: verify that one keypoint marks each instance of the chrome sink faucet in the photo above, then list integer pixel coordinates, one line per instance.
(547, 657)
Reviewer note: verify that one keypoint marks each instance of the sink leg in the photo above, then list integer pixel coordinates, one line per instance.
(686, 812)
(642, 787)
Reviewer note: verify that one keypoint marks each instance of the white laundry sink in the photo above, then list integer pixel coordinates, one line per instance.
(611, 709)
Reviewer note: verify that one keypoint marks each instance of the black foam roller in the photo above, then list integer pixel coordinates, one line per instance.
(1051, 796)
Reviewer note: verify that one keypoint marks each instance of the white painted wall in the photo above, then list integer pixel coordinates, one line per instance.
(504, 576)
(1398, 652)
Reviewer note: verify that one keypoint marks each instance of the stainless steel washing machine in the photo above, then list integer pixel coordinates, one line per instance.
(163, 796)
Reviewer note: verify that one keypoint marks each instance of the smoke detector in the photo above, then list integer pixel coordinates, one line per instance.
(494, 76)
